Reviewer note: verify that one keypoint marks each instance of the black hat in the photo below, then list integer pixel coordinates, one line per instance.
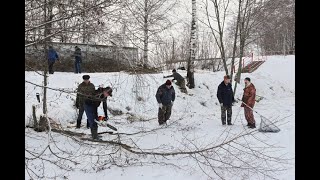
(248, 79)
(85, 77)
(109, 90)
(174, 70)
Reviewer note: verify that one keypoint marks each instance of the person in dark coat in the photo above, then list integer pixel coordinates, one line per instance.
(180, 80)
(165, 97)
(91, 108)
(226, 99)
(249, 98)
(52, 58)
(84, 89)
(78, 60)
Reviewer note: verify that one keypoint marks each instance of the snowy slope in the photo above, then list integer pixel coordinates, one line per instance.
(195, 118)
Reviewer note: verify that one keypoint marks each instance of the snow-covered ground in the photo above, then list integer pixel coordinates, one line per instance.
(194, 125)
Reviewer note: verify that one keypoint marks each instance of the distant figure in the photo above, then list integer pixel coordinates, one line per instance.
(180, 80)
(78, 60)
(52, 58)
(85, 89)
(226, 99)
(249, 98)
(165, 97)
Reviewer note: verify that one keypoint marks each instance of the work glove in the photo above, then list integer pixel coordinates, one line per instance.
(172, 103)
(160, 105)
(221, 104)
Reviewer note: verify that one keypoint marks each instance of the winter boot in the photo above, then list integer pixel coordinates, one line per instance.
(94, 133)
(78, 125)
(223, 120)
(88, 126)
(229, 123)
(252, 126)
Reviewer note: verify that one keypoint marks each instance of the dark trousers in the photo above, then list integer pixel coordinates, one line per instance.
(81, 111)
(223, 114)
(92, 114)
(77, 66)
(50, 63)
(164, 113)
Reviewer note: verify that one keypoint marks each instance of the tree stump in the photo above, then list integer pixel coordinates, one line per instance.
(43, 124)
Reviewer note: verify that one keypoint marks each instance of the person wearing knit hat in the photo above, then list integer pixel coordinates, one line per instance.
(249, 99)
(180, 80)
(85, 89)
(165, 97)
(226, 99)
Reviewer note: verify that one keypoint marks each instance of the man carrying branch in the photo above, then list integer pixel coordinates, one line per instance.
(180, 80)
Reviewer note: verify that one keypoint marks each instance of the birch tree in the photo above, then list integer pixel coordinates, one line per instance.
(146, 19)
(193, 46)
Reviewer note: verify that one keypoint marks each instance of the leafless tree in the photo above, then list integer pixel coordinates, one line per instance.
(146, 19)
(220, 8)
(277, 28)
(193, 46)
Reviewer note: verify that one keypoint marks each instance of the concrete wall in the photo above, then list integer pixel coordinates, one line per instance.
(89, 52)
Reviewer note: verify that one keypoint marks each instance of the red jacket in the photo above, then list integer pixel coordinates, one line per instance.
(249, 96)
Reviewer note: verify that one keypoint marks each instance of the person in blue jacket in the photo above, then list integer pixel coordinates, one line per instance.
(226, 99)
(52, 58)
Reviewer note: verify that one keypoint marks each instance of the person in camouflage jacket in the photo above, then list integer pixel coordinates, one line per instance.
(84, 89)
(180, 80)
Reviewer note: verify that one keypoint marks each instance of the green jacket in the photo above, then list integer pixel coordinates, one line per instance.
(84, 90)
(176, 76)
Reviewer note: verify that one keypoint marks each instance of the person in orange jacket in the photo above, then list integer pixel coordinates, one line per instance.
(249, 96)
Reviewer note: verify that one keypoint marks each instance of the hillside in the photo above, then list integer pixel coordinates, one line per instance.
(195, 124)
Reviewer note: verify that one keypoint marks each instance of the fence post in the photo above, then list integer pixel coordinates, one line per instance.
(251, 56)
